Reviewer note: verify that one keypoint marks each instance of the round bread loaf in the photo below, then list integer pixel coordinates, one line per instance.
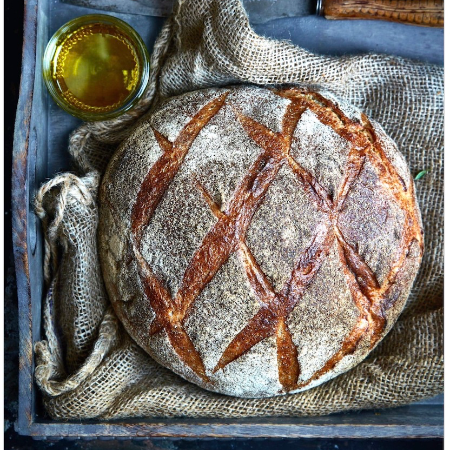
(258, 241)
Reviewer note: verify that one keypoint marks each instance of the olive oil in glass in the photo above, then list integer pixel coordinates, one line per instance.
(96, 67)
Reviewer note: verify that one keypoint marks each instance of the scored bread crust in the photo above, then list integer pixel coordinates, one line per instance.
(258, 241)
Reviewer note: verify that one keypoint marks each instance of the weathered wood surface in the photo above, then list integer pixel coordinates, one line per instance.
(409, 421)
(20, 211)
(352, 37)
(40, 142)
(428, 13)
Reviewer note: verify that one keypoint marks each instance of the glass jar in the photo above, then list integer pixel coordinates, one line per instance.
(96, 67)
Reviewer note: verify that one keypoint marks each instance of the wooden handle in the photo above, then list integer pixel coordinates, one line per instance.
(429, 13)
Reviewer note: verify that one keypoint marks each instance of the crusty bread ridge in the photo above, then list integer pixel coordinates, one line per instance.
(258, 241)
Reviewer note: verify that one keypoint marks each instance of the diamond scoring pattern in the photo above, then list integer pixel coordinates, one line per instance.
(228, 236)
(289, 233)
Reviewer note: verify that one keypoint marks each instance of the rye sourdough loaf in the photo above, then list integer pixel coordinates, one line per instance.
(258, 241)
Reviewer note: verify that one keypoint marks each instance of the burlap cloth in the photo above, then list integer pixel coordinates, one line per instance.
(88, 367)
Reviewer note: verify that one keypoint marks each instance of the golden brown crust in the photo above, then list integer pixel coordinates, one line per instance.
(228, 236)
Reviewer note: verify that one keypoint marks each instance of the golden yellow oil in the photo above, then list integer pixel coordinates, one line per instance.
(96, 68)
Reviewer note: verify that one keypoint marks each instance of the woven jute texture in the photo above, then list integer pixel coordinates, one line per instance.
(88, 367)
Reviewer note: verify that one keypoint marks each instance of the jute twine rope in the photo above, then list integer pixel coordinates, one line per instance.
(108, 327)
(71, 186)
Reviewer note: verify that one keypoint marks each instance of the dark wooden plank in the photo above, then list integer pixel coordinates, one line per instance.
(20, 212)
(355, 37)
(411, 422)
(162, 8)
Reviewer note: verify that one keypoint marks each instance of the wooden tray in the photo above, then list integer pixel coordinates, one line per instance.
(40, 141)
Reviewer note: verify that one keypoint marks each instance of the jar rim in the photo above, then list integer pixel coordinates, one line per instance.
(71, 27)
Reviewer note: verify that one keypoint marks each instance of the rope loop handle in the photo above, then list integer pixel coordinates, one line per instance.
(72, 188)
